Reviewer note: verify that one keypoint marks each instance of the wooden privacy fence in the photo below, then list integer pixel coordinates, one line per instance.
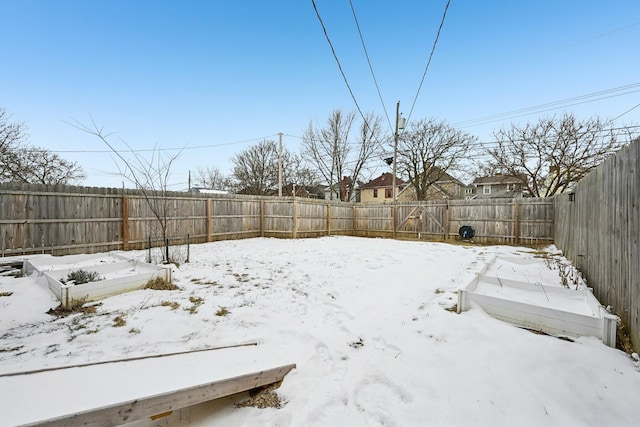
(598, 227)
(69, 220)
(508, 221)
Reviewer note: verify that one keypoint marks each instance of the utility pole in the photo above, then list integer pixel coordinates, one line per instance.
(400, 122)
(280, 167)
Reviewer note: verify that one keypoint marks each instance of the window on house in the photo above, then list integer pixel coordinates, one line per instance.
(468, 191)
(375, 192)
(486, 189)
(511, 187)
(388, 193)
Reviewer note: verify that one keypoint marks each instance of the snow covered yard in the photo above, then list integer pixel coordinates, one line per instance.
(370, 323)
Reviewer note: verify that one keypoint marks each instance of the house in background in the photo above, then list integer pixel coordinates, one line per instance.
(338, 190)
(315, 192)
(445, 187)
(381, 189)
(499, 186)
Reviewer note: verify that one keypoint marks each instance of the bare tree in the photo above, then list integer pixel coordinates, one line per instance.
(37, 165)
(149, 175)
(213, 178)
(428, 150)
(256, 169)
(554, 153)
(22, 162)
(331, 152)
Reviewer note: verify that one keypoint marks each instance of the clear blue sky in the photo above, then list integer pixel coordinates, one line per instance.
(217, 73)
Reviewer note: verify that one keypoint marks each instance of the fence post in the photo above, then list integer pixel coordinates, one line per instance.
(261, 218)
(209, 225)
(328, 219)
(393, 220)
(446, 221)
(125, 223)
(354, 220)
(295, 215)
(516, 223)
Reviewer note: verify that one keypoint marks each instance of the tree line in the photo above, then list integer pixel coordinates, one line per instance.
(550, 155)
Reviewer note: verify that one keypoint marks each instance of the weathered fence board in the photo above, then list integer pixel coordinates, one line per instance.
(597, 228)
(69, 220)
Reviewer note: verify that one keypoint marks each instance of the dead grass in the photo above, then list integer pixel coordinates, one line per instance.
(173, 304)
(262, 397)
(199, 281)
(78, 306)
(160, 284)
(119, 321)
(197, 302)
(623, 342)
(222, 311)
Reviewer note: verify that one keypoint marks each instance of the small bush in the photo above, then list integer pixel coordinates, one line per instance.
(160, 284)
(78, 277)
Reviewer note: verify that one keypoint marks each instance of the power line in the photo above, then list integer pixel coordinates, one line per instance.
(335, 56)
(433, 48)
(142, 150)
(366, 53)
(628, 111)
(551, 105)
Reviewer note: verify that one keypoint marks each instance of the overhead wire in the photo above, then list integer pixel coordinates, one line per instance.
(142, 150)
(433, 48)
(568, 102)
(335, 56)
(366, 53)
(626, 112)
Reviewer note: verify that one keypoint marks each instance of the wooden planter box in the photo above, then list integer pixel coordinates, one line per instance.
(121, 274)
(546, 308)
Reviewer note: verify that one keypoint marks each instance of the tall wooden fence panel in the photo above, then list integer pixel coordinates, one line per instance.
(64, 220)
(597, 228)
(374, 220)
(503, 221)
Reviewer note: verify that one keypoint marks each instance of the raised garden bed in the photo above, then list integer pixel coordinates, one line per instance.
(118, 274)
(535, 300)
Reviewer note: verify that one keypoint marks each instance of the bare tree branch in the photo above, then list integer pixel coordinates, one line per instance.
(331, 152)
(553, 153)
(429, 150)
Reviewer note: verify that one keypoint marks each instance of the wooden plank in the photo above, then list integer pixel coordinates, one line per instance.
(516, 223)
(150, 406)
(125, 223)
(411, 215)
(209, 224)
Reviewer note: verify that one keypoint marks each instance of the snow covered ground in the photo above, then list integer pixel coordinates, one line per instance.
(369, 323)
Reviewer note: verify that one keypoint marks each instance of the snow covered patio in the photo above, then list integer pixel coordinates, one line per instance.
(370, 324)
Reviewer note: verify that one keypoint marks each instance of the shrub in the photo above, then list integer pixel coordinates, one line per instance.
(78, 277)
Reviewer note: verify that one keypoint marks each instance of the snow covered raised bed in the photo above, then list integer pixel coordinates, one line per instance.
(537, 302)
(119, 274)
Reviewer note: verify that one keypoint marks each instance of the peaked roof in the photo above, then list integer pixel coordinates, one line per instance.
(500, 179)
(436, 172)
(383, 181)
